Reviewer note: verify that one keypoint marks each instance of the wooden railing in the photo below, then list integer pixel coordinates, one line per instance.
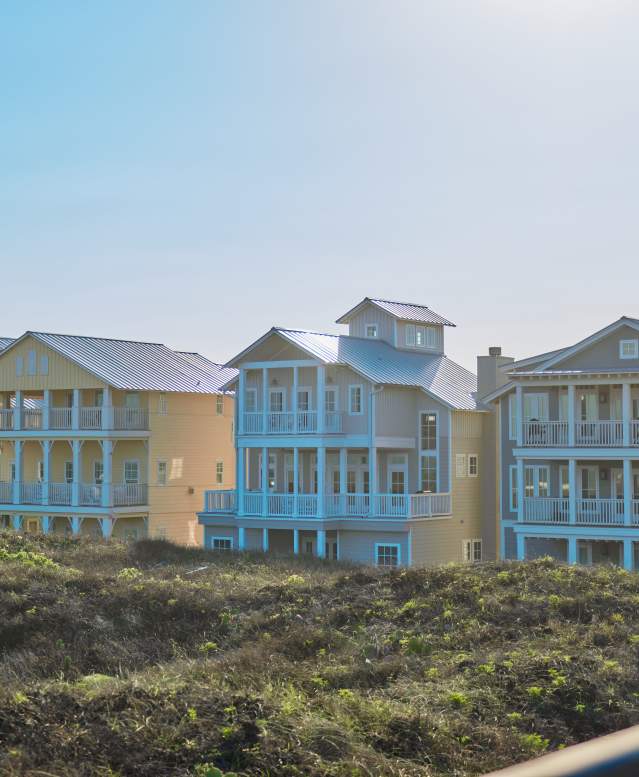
(546, 509)
(126, 494)
(31, 418)
(130, 418)
(596, 434)
(60, 418)
(285, 422)
(60, 493)
(219, 501)
(6, 420)
(545, 434)
(6, 493)
(90, 494)
(90, 418)
(603, 512)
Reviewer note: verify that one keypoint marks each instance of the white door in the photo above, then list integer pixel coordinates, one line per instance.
(535, 407)
(588, 479)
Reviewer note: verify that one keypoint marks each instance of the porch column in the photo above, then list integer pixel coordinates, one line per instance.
(296, 480)
(372, 478)
(321, 384)
(521, 547)
(107, 409)
(627, 491)
(75, 410)
(519, 406)
(46, 469)
(264, 399)
(241, 478)
(18, 449)
(520, 489)
(296, 541)
(46, 407)
(572, 549)
(294, 399)
(46, 524)
(16, 522)
(76, 525)
(628, 555)
(106, 524)
(321, 480)
(321, 543)
(265, 540)
(240, 401)
(76, 456)
(626, 412)
(107, 472)
(343, 478)
(241, 538)
(571, 414)
(17, 412)
(264, 482)
(572, 490)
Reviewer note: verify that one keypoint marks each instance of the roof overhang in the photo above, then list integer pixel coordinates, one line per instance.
(591, 340)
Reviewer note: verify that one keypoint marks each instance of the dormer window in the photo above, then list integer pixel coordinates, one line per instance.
(629, 349)
(421, 336)
(371, 330)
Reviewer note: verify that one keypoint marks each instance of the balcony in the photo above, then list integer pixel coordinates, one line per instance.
(302, 422)
(588, 512)
(85, 419)
(402, 506)
(587, 434)
(61, 494)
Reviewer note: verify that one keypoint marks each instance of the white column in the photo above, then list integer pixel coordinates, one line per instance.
(571, 414)
(265, 482)
(17, 458)
(240, 401)
(519, 407)
(241, 538)
(321, 480)
(76, 448)
(520, 490)
(107, 409)
(572, 549)
(626, 412)
(76, 525)
(343, 477)
(75, 410)
(296, 480)
(321, 384)
(321, 543)
(294, 398)
(628, 555)
(241, 478)
(46, 407)
(627, 491)
(572, 490)
(264, 399)
(265, 540)
(46, 470)
(296, 541)
(521, 547)
(46, 524)
(17, 411)
(372, 478)
(17, 522)
(107, 472)
(106, 524)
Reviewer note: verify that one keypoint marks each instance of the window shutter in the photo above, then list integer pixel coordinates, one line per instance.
(31, 363)
(410, 334)
(460, 465)
(44, 365)
(19, 365)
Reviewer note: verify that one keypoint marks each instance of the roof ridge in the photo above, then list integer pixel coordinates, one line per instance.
(95, 337)
(397, 302)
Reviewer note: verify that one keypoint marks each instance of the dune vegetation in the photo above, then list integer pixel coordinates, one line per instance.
(156, 660)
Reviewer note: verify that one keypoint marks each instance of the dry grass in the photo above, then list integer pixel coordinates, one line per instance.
(134, 660)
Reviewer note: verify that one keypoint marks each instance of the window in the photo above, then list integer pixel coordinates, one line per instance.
(221, 543)
(387, 555)
(563, 405)
(163, 403)
(429, 474)
(513, 488)
(160, 533)
(98, 398)
(276, 401)
(330, 400)
(589, 483)
(410, 335)
(161, 473)
(31, 363)
(44, 365)
(629, 349)
(428, 431)
(355, 406)
(132, 399)
(588, 406)
(250, 400)
(68, 472)
(471, 550)
(536, 481)
(371, 330)
(13, 471)
(564, 482)
(512, 417)
(219, 404)
(473, 465)
(303, 400)
(308, 547)
(219, 472)
(460, 465)
(98, 472)
(40, 471)
(132, 471)
(19, 365)
(272, 470)
(535, 407)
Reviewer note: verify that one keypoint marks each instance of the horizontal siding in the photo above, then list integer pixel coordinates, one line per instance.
(359, 546)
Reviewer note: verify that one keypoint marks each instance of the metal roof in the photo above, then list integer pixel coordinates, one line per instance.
(380, 363)
(406, 311)
(138, 366)
(5, 342)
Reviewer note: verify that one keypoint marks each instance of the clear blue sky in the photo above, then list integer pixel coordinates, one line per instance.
(194, 172)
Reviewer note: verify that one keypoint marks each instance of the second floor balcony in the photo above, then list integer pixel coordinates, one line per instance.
(300, 422)
(79, 419)
(584, 434)
(73, 495)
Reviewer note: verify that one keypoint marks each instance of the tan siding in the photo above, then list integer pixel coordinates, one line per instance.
(373, 315)
(359, 546)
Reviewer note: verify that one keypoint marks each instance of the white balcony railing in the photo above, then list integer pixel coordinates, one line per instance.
(130, 418)
(635, 511)
(6, 420)
(126, 494)
(60, 418)
(31, 493)
(87, 418)
(545, 434)
(219, 501)
(285, 422)
(634, 432)
(31, 418)
(279, 423)
(604, 512)
(90, 494)
(90, 418)
(253, 503)
(546, 509)
(6, 493)
(306, 421)
(588, 434)
(597, 434)
(60, 493)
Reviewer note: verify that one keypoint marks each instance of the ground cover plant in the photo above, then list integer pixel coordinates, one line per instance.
(156, 660)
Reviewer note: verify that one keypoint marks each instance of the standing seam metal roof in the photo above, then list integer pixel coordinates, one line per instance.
(406, 311)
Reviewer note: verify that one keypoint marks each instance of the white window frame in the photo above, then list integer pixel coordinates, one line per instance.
(310, 398)
(460, 465)
(332, 390)
(423, 452)
(219, 472)
(537, 396)
(397, 466)
(535, 469)
(161, 481)
(512, 417)
(40, 471)
(397, 545)
(468, 550)
(124, 466)
(277, 390)
(474, 474)
(252, 391)
(635, 349)
(215, 539)
(132, 400)
(68, 467)
(98, 463)
(163, 403)
(219, 404)
(351, 389)
(13, 472)
(513, 489)
(375, 329)
(272, 457)
(410, 336)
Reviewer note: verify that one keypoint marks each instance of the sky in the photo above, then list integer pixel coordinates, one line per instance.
(196, 172)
